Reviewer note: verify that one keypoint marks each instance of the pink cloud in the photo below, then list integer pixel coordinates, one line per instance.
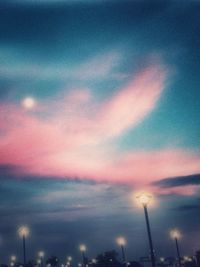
(73, 135)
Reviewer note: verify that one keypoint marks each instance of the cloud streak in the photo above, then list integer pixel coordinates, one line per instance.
(74, 135)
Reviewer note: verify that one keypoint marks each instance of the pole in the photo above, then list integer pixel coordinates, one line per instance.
(83, 255)
(153, 262)
(123, 254)
(24, 249)
(178, 252)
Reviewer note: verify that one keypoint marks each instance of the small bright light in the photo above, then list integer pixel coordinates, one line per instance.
(68, 263)
(79, 264)
(82, 248)
(23, 231)
(28, 102)
(38, 261)
(175, 233)
(162, 259)
(13, 258)
(121, 241)
(94, 261)
(144, 198)
(69, 258)
(12, 264)
(41, 254)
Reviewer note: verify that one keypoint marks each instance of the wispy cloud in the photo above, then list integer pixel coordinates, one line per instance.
(94, 68)
(74, 135)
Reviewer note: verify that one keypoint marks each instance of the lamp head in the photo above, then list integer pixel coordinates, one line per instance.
(13, 258)
(23, 231)
(41, 254)
(144, 198)
(121, 241)
(175, 234)
(82, 248)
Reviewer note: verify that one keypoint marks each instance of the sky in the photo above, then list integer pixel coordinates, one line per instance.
(99, 100)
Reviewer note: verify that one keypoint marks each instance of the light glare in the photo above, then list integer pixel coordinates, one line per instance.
(23, 231)
(121, 241)
(82, 248)
(175, 233)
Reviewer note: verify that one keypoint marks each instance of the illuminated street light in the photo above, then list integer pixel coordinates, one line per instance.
(121, 241)
(83, 249)
(79, 264)
(144, 200)
(176, 235)
(23, 232)
(162, 259)
(13, 258)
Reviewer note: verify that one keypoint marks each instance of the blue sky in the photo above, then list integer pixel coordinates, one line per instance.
(113, 103)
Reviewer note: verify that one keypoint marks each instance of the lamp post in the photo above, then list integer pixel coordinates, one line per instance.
(83, 250)
(175, 234)
(23, 232)
(41, 257)
(121, 241)
(144, 199)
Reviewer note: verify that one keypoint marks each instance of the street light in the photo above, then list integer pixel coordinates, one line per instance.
(41, 257)
(13, 258)
(121, 241)
(83, 249)
(176, 235)
(145, 199)
(23, 232)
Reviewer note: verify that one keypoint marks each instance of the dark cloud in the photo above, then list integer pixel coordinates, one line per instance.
(178, 181)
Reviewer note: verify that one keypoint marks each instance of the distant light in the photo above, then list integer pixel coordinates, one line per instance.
(121, 241)
(13, 258)
(38, 261)
(94, 261)
(162, 259)
(69, 258)
(175, 233)
(23, 231)
(82, 248)
(41, 254)
(12, 264)
(28, 102)
(144, 198)
(79, 264)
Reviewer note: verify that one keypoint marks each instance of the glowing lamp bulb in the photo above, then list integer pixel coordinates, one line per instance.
(13, 258)
(144, 199)
(121, 241)
(69, 258)
(23, 231)
(41, 254)
(82, 248)
(175, 234)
